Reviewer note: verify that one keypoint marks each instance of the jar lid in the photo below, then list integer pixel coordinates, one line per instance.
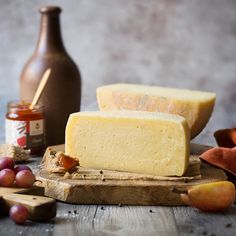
(22, 105)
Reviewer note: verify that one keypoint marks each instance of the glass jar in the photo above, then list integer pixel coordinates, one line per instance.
(25, 126)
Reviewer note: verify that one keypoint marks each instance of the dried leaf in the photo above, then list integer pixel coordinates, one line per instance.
(226, 137)
(224, 158)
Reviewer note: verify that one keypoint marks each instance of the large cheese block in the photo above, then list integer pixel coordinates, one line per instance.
(195, 106)
(134, 141)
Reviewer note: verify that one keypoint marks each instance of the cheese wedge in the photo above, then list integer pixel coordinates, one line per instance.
(195, 106)
(134, 141)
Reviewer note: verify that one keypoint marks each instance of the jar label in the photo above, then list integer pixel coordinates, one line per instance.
(25, 133)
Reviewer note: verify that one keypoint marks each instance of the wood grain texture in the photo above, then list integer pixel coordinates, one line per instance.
(134, 191)
(121, 192)
(132, 220)
(40, 208)
(9, 228)
(114, 220)
(191, 221)
(75, 220)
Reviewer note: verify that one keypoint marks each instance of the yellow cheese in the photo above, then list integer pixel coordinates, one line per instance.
(134, 141)
(195, 106)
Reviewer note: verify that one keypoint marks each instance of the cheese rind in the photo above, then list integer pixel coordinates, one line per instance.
(195, 106)
(134, 141)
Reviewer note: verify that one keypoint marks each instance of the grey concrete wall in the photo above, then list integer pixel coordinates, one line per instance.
(176, 43)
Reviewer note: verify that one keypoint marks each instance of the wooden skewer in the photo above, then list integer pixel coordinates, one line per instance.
(40, 88)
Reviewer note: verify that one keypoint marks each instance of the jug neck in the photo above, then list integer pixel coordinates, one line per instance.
(50, 39)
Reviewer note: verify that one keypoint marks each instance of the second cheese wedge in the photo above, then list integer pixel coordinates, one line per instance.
(195, 106)
(134, 141)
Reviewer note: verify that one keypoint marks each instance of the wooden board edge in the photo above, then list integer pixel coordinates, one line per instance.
(122, 192)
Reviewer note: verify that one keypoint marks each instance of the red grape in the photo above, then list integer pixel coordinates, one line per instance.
(20, 168)
(19, 214)
(7, 177)
(25, 179)
(6, 163)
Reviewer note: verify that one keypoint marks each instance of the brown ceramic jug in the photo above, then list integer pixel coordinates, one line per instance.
(62, 93)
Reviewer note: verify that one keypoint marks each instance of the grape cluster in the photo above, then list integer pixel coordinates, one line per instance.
(21, 176)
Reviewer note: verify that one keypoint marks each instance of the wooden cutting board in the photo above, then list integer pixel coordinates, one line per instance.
(135, 191)
(40, 208)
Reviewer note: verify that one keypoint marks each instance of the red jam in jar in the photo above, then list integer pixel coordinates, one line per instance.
(25, 126)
